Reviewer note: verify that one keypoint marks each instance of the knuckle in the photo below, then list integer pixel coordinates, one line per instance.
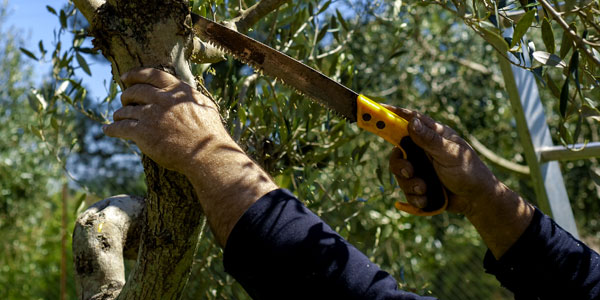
(109, 130)
(129, 94)
(119, 113)
(418, 201)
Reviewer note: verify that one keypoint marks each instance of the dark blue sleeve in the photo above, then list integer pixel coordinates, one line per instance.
(547, 263)
(281, 250)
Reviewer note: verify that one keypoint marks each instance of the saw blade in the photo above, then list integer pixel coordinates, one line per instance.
(304, 79)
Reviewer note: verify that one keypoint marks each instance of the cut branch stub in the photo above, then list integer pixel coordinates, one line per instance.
(105, 233)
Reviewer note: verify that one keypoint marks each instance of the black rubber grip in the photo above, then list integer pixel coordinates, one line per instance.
(423, 168)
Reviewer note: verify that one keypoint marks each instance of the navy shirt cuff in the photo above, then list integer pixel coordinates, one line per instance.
(547, 262)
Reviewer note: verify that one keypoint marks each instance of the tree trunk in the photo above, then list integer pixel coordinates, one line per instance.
(157, 34)
(162, 230)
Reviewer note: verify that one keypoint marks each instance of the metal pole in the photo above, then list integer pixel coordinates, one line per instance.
(572, 152)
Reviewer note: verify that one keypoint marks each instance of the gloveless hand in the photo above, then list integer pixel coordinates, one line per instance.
(169, 121)
(459, 168)
(181, 129)
(499, 214)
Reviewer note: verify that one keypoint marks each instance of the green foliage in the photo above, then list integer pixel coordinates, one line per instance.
(437, 57)
(30, 179)
(341, 173)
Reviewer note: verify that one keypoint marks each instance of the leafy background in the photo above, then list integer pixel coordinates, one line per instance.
(433, 56)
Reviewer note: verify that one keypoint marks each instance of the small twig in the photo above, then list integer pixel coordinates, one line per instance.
(314, 43)
(576, 38)
(273, 26)
(584, 17)
(330, 52)
(242, 96)
(207, 53)
(254, 13)
(300, 30)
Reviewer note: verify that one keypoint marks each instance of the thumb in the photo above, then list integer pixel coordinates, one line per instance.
(426, 134)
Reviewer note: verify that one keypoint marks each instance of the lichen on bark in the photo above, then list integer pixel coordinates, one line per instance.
(153, 33)
(158, 34)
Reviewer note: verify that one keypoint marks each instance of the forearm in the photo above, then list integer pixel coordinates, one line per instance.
(181, 129)
(227, 182)
(500, 218)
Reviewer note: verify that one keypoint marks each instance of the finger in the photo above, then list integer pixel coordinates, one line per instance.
(140, 94)
(441, 129)
(125, 129)
(408, 115)
(151, 76)
(399, 166)
(405, 113)
(417, 200)
(426, 135)
(412, 186)
(129, 112)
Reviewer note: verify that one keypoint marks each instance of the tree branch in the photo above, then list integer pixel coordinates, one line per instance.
(242, 96)
(253, 14)
(88, 7)
(577, 39)
(498, 161)
(495, 159)
(104, 234)
(206, 53)
(131, 34)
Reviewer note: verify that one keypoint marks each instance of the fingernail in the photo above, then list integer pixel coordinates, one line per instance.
(417, 126)
(417, 189)
(421, 203)
(405, 173)
(123, 76)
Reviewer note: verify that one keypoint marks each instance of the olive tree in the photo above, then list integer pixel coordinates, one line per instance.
(424, 55)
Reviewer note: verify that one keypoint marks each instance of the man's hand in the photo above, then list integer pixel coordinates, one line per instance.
(168, 120)
(499, 214)
(459, 168)
(181, 129)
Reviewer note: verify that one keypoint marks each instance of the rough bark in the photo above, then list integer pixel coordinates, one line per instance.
(162, 230)
(104, 234)
(131, 34)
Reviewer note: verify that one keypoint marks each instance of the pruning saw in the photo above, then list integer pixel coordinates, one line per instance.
(368, 114)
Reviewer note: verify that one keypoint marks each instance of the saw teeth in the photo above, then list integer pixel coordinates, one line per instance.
(313, 100)
(236, 55)
(259, 70)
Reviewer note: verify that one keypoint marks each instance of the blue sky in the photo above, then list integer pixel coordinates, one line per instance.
(35, 23)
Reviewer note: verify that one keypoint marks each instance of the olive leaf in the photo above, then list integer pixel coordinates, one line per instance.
(549, 59)
(522, 27)
(495, 39)
(548, 36)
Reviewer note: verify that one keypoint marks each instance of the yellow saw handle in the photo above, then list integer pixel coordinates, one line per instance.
(377, 119)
